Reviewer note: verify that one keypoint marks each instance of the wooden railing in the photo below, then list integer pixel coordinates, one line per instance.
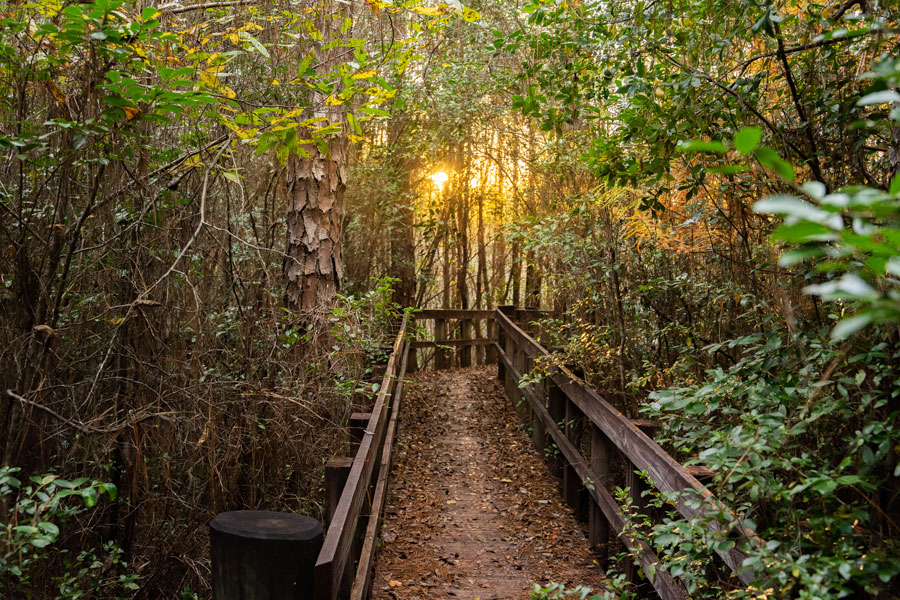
(457, 330)
(557, 407)
(344, 565)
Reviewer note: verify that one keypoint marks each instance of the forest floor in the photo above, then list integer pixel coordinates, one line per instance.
(472, 511)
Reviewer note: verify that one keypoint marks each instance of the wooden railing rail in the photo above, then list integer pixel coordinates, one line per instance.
(344, 566)
(564, 398)
(450, 321)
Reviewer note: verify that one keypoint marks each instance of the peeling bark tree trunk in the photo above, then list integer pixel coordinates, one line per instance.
(313, 265)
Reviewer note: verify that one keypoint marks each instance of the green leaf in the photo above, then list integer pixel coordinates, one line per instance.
(746, 140)
(802, 232)
(791, 206)
(727, 169)
(354, 123)
(89, 495)
(713, 147)
(895, 185)
(374, 111)
(771, 160)
(48, 527)
(882, 97)
(111, 490)
(850, 325)
(255, 43)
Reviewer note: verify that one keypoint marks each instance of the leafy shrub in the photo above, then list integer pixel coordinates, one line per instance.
(35, 511)
(801, 435)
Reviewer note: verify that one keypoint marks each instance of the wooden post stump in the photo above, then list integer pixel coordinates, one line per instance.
(263, 555)
(336, 471)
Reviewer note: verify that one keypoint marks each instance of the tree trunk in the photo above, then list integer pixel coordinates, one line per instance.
(313, 265)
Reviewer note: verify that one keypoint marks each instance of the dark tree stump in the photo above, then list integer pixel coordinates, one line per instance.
(263, 555)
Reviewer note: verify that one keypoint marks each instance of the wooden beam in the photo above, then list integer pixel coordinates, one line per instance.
(667, 588)
(452, 313)
(363, 578)
(664, 471)
(452, 343)
(336, 548)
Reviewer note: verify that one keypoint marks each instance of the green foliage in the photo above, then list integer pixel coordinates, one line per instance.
(557, 591)
(851, 235)
(800, 434)
(36, 510)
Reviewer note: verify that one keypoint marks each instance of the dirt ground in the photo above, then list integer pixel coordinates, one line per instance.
(472, 510)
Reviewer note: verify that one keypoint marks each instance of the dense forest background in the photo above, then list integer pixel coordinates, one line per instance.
(213, 212)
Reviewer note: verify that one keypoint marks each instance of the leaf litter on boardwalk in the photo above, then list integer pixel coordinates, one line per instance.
(472, 510)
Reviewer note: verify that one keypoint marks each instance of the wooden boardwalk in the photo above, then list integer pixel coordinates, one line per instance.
(472, 511)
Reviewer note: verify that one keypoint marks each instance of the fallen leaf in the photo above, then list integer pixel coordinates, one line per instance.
(395, 583)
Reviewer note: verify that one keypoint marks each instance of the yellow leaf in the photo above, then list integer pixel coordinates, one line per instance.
(428, 11)
(56, 92)
(332, 101)
(228, 92)
(470, 15)
(365, 74)
(276, 82)
(209, 78)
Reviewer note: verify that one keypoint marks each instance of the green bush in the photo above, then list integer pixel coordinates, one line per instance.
(35, 511)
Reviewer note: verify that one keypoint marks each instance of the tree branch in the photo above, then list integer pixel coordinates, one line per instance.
(813, 160)
(176, 8)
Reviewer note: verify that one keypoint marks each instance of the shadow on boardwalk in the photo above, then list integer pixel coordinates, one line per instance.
(472, 511)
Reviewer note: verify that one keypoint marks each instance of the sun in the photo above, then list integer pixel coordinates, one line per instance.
(439, 179)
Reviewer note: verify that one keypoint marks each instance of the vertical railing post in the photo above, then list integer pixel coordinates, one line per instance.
(572, 484)
(503, 343)
(636, 487)
(465, 351)
(556, 406)
(522, 363)
(490, 354)
(263, 555)
(538, 431)
(440, 355)
(598, 526)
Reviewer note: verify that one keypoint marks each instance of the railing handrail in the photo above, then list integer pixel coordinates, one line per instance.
(665, 473)
(336, 548)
